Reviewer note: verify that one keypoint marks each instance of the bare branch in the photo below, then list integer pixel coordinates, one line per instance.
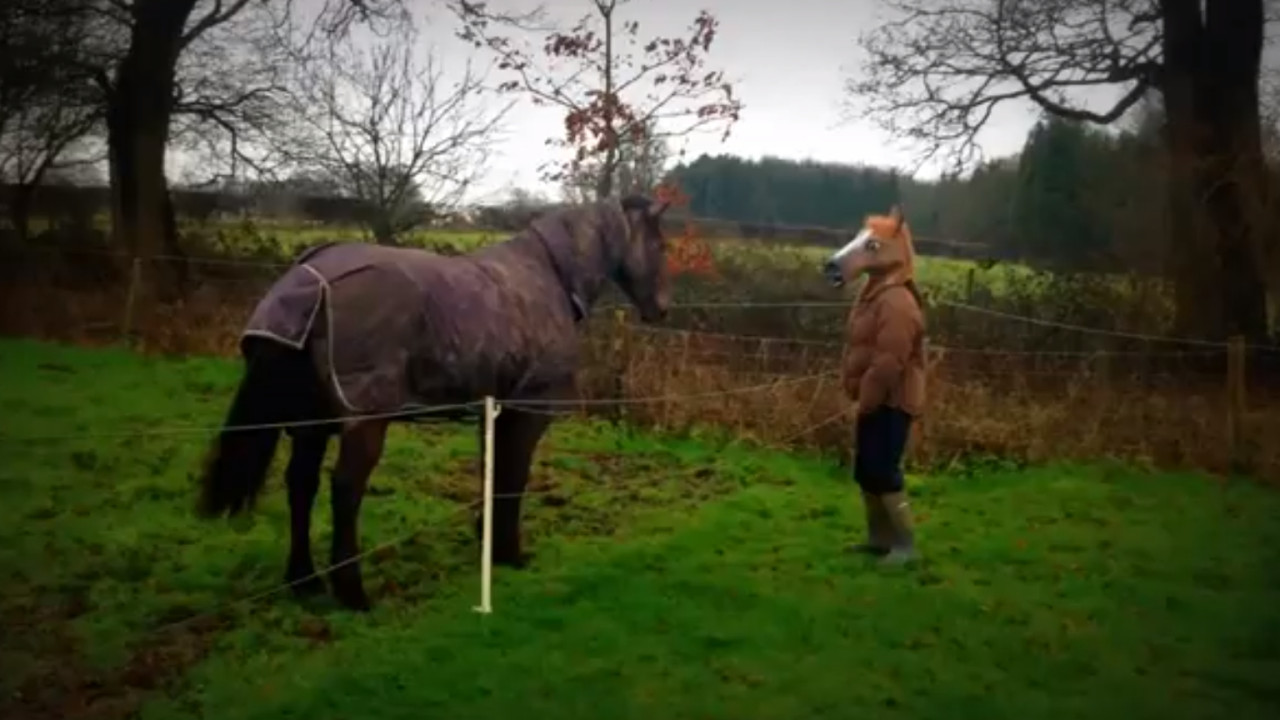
(640, 165)
(614, 87)
(936, 73)
(231, 90)
(394, 132)
(217, 14)
(478, 17)
(48, 104)
(338, 17)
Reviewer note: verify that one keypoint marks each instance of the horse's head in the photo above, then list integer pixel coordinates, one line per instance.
(640, 252)
(882, 249)
(618, 240)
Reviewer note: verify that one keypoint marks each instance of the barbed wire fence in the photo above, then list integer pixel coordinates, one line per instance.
(488, 409)
(267, 269)
(626, 343)
(624, 357)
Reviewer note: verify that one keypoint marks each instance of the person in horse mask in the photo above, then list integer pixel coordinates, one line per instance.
(883, 373)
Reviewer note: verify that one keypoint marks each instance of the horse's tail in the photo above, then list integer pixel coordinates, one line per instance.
(235, 468)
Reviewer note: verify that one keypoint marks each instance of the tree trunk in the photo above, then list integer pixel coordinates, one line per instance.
(383, 232)
(608, 168)
(20, 210)
(1195, 273)
(1235, 170)
(139, 109)
(1212, 139)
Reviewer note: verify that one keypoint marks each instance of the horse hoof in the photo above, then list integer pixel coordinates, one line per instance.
(519, 561)
(868, 549)
(354, 600)
(348, 588)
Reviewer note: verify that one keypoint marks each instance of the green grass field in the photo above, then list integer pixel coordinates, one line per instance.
(674, 579)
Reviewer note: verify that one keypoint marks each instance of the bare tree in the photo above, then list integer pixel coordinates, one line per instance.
(47, 104)
(615, 88)
(50, 135)
(937, 72)
(394, 132)
(142, 47)
(230, 91)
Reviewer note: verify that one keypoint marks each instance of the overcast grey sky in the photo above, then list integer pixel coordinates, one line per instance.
(787, 60)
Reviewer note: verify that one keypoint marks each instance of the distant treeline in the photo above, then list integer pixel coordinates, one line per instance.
(72, 201)
(773, 191)
(1074, 198)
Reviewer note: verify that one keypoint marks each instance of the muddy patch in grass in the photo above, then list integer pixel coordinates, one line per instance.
(58, 683)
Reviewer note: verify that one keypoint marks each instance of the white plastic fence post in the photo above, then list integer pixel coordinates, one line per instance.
(486, 542)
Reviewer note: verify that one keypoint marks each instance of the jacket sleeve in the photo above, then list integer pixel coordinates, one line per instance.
(897, 325)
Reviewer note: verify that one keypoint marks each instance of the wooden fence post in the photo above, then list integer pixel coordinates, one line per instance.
(621, 363)
(803, 368)
(1236, 403)
(919, 432)
(679, 367)
(131, 300)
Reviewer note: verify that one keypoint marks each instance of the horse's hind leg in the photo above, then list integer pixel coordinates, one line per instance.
(303, 478)
(358, 455)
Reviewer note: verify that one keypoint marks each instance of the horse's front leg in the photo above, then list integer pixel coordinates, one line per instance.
(359, 453)
(516, 434)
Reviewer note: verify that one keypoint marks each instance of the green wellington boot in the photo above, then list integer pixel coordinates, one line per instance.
(878, 531)
(898, 514)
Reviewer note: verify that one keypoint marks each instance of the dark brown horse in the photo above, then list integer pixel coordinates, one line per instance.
(353, 329)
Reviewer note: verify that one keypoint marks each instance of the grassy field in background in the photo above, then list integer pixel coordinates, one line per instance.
(282, 238)
(758, 258)
(674, 578)
(949, 276)
(764, 267)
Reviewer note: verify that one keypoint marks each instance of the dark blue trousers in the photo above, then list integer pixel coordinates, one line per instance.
(881, 438)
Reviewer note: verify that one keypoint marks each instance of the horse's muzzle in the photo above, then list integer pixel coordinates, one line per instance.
(835, 276)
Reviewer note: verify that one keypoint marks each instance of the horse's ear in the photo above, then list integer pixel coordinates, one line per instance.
(898, 217)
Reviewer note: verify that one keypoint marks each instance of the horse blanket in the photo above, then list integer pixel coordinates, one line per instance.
(392, 328)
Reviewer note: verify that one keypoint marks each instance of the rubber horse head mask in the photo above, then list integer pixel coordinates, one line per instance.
(883, 250)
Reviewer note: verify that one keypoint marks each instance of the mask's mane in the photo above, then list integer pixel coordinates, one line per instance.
(887, 229)
(881, 225)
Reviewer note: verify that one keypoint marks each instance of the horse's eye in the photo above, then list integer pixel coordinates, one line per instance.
(873, 245)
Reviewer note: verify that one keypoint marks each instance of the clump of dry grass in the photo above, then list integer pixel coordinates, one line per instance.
(1168, 409)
